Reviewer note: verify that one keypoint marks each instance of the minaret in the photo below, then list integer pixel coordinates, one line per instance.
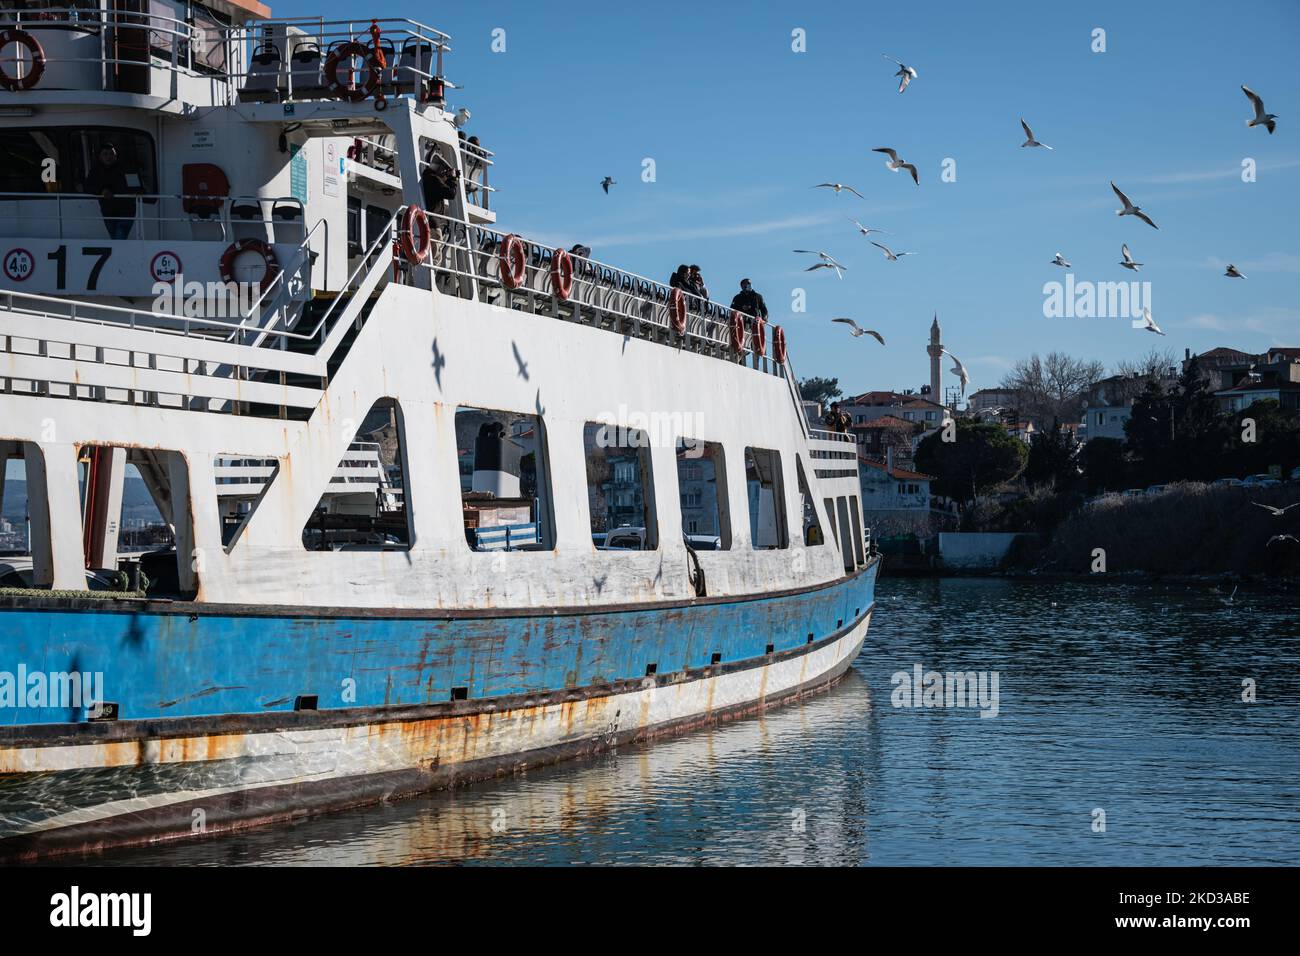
(935, 349)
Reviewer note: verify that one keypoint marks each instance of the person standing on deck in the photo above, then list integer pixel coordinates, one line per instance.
(107, 180)
(749, 301)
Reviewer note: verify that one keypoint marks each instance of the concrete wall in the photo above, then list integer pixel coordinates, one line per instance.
(975, 551)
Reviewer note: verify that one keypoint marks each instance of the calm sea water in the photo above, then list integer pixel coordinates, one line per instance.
(1123, 698)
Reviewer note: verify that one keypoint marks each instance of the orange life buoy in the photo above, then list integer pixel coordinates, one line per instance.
(760, 337)
(270, 263)
(33, 46)
(350, 91)
(778, 344)
(562, 274)
(677, 311)
(415, 221)
(737, 331)
(514, 261)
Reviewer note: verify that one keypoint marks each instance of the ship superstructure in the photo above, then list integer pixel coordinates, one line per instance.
(437, 500)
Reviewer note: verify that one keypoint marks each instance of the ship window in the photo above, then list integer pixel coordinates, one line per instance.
(702, 482)
(812, 527)
(363, 507)
(242, 481)
(17, 459)
(135, 505)
(57, 159)
(376, 222)
(505, 481)
(620, 490)
(209, 49)
(767, 521)
(354, 226)
(855, 513)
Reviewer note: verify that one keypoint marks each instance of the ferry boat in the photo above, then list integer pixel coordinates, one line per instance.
(435, 502)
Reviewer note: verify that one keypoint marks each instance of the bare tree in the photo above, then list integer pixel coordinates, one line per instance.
(1052, 388)
(1133, 375)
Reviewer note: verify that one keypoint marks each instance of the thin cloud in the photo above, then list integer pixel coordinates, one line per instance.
(1271, 321)
(720, 231)
(1271, 262)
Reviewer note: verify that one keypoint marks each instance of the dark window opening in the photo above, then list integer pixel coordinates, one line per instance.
(620, 491)
(767, 521)
(702, 485)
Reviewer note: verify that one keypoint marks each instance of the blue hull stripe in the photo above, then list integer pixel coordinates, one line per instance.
(176, 665)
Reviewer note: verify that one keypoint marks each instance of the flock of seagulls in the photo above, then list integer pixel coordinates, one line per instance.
(896, 163)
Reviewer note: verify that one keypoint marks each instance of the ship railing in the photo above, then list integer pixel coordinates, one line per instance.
(823, 435)
(209, 218)
(614, 297)
(87, 43)
(477, 161)
(285, 58)
(246, 477)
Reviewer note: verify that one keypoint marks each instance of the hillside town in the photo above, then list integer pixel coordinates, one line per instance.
(1074, 425)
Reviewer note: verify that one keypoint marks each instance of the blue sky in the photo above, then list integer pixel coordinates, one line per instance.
(740, 127)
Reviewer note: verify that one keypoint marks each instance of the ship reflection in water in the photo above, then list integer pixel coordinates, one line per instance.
(1125, 699)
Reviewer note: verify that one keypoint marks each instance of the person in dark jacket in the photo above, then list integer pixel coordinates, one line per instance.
(438, 187)
(749, 301)
(107, 180)
(680, 279)
(696, 283)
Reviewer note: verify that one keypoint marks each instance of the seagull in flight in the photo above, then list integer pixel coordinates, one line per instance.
(906, 72)
(896, 164)
(839, 186)
(1150, 325)
(827, 262)
(1276, 512)
(867, 230)
(607, 182)
(1281, 537)
(1232, 272)
(1128, 262)
(1261, 118)
(958, 369)
(1029, 136)
(1130, 209)
(890, 254)
(857, 331)
(1059, 260)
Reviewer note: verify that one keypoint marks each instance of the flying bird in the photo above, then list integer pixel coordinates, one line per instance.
(607, 182)
(958, 369)
(1128, 262)
(857, 331)
(1232, 272)
(837, 187)
(827, 261)
(906, 72)
(896, 164)
(1277, 512)
(867, 230)
(890, 254)
(1130, 209)
(1281, 537)
(1029, 137)
(1059, 260)
(1261, 118)
(1150, 325)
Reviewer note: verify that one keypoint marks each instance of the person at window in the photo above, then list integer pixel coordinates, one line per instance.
(438, 186)
(749, 301)
(107, 180)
